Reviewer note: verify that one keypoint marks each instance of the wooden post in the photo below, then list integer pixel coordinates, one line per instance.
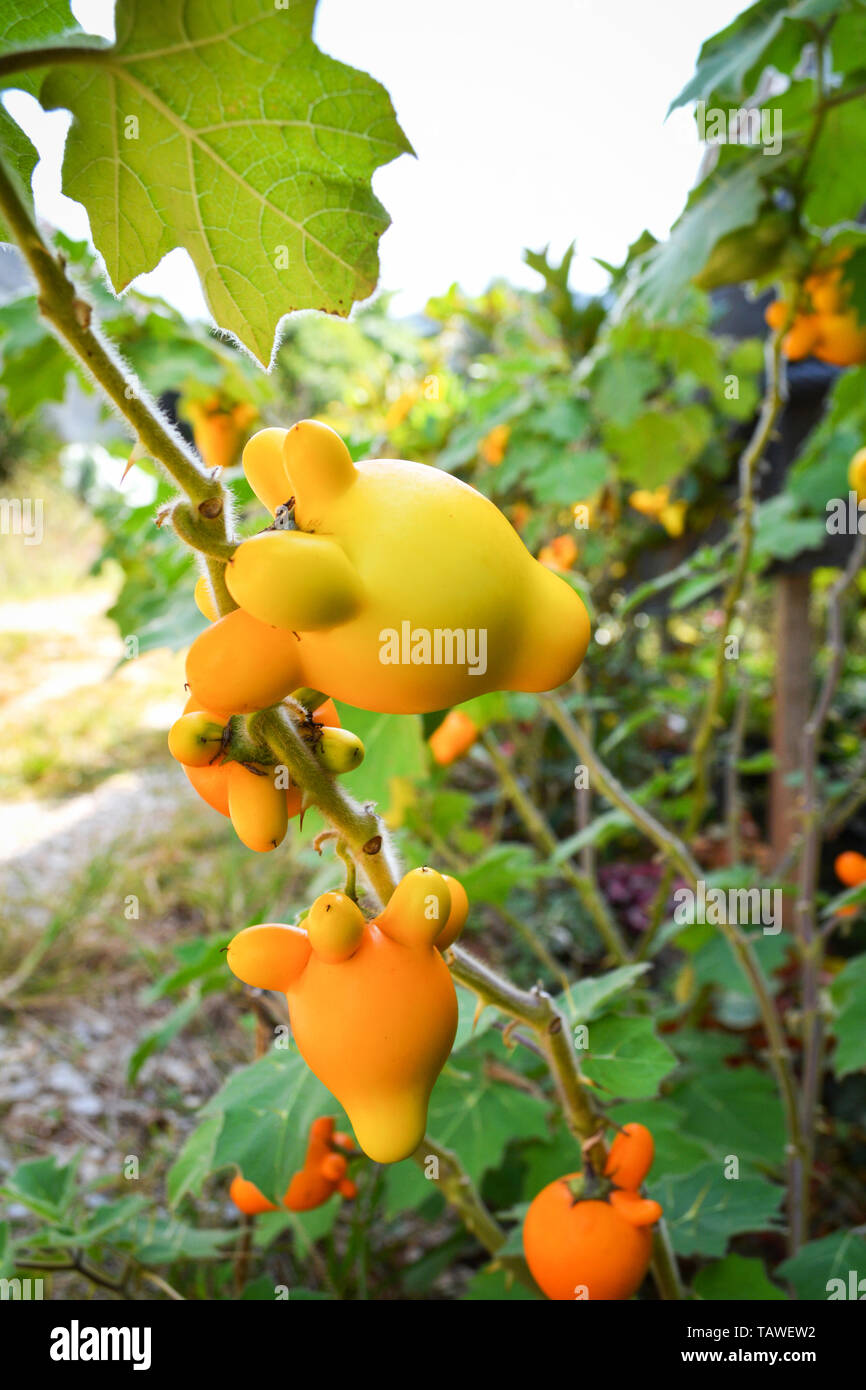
(792, 702)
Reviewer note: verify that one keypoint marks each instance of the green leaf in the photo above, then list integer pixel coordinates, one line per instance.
(493, 876)
(780, 534)
(568, 476)
(19, 159)
(834, 1257)
(467, 1029)
(195, 1161)
(587, 999)
(43, 1185)
(734, 1111)
(106, 1218)
(660, 444)
(393, 750)
(676, 1149)
(620, 385)
(601, 829)
(7, 1251)
(264, 1112)
(477, 1119)
(160, 1036)
(835, 183)
(738, 1279)
(704, 1209)
(728, 198)
(626, 1058)
(694, 589)
(848, 992)
(727, 58)
(159, 1240)
(496, 1285)
(229, 133)
(38, 24)
(34, 375)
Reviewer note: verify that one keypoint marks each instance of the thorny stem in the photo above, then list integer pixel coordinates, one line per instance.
(72, 319)
(809, 939)
(460, 1192)
(678, 853)
(774, 399)
(603, 779)
(546, 842)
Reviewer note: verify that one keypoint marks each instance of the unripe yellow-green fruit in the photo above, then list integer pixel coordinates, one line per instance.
(196, 739)
(335, 926)
(339, 750)
(257, 807)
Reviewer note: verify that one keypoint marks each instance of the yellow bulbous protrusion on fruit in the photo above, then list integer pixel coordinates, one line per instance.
(457, 915)
(270, 956)
(857, 474)
(264, 468)
(240, 665)
(204, 599)
(335, 926)
(258, 807)
(375, 1026)
(418, 909)
(320, 468)
(405, 591)
(295, 581)
(195, 740)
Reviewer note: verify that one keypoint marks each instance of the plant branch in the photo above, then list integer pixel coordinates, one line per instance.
(676, 851)
(575, 735)
(72, 319)
(546, 842)
(809, 938)
(774, 399)
(460, 1192)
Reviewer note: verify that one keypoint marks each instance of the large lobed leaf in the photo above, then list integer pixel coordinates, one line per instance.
(220, 127)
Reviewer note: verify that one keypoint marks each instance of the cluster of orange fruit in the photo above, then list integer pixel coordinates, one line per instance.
(323, 1174)
(823, 324)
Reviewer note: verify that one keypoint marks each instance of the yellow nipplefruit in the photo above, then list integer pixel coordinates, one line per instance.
(401, 590)
(372, 1005)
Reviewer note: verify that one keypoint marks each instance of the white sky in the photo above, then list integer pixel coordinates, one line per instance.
(533, 123)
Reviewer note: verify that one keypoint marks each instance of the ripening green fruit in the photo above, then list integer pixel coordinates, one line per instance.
(335, 926)
(196, 739)
(339, 750)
